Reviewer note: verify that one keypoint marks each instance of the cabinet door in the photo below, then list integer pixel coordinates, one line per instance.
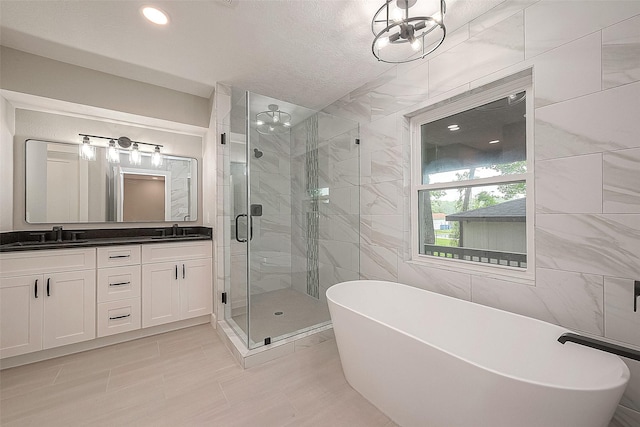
(69, 307)
(160, 293)
(195, 288)
(20, 315)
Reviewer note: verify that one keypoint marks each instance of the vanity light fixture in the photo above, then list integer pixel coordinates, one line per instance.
(155, 15)
(273, 121)
(402, 38)
(87, 151)
(123, 143)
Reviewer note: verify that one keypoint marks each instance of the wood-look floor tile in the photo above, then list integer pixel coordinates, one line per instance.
(265, 410)
(184, 378)
(18, 381)
(49, 397)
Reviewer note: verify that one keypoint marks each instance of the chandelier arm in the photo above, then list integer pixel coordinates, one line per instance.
(385, 5)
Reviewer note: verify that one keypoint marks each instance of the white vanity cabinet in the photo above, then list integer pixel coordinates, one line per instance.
(118, 289)
(176, 281)
(47, 299)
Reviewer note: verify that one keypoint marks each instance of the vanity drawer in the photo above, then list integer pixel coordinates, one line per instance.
(163, 252)
(115, 317)
(46, 261)
(118, 283)
(115, 256)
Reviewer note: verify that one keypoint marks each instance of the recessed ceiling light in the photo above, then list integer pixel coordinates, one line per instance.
(453, 127)
(495, 141)
(155, 15)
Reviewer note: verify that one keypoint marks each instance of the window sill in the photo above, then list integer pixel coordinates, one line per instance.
(499, 272)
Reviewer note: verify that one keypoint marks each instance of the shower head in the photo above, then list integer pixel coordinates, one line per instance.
(257, 153)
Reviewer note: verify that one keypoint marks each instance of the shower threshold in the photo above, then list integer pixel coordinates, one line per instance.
(249, 358)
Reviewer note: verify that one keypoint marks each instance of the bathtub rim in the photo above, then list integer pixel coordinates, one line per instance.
(622, 381)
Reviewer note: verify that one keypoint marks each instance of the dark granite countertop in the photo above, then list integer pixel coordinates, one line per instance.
(47, 239)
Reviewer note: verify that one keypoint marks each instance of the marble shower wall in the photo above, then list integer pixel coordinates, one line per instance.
(585, 58)
(337, 200)
(271, 187)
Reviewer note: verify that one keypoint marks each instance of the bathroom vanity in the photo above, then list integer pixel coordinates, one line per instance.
(57, 289)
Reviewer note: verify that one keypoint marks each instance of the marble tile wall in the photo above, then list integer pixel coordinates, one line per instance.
(585, 61)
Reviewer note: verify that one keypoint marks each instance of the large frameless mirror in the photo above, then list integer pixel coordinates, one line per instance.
(64, 187)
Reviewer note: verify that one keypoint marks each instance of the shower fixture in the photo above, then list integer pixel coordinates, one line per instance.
(402, 38)
(257, 153)
(273, 121)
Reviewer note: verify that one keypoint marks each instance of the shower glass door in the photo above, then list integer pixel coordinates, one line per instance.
(233, 162)
(296, 215)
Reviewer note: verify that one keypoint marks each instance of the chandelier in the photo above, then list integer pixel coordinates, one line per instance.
(273, 121)
(400, 37)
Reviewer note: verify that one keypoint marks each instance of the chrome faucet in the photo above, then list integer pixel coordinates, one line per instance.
(58, 233)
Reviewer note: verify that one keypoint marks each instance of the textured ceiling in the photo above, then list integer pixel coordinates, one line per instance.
(305, 52)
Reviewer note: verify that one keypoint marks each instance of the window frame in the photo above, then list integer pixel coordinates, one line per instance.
(466, 102)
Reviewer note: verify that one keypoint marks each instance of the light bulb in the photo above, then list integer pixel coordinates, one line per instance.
(396, 15)
(271, 128)
(259, 122)
(416, 45)
(276, 119)
(156, 157)
(113, 156)
(87, 152)
(287, 124)
(382, 42)
(135, 158)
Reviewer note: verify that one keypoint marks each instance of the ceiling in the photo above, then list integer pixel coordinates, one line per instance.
(305, 52)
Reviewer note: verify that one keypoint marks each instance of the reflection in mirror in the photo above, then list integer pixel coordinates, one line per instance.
(61, 187)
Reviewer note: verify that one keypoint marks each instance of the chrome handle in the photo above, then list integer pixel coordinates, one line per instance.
(119, 256)
(120, 317)
(48, 286)
(36, 288)
(119, 284)
(176, 271)
(183, 273)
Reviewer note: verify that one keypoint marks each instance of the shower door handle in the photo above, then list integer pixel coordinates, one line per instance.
(250, 228)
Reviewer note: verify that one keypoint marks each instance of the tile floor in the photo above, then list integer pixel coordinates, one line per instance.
(299, 311)
(183, 378)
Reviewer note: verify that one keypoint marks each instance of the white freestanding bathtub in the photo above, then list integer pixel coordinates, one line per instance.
(429, 360)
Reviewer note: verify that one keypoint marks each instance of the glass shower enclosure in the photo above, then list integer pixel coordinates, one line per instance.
(291, 208)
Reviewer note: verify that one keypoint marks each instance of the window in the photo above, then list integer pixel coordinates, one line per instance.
(472, 180)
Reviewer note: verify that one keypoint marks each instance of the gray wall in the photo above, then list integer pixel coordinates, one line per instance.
(586, 68)
(35, 75)
(7, 129)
